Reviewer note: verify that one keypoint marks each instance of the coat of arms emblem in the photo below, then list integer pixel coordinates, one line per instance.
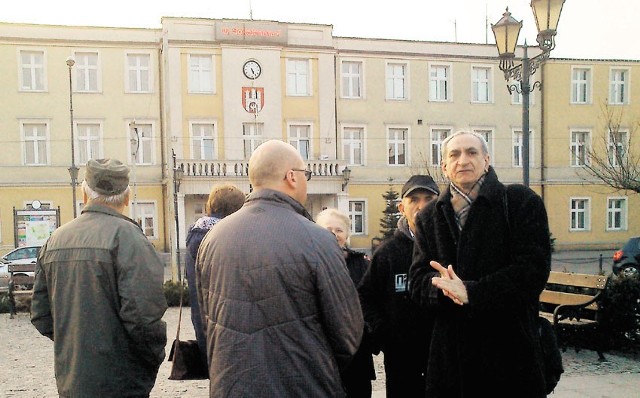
(253, 99)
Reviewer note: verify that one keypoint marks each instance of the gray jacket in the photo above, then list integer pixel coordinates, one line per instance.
(281, 313)
(98, 295)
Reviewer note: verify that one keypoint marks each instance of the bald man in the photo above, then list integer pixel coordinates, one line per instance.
(281, 313)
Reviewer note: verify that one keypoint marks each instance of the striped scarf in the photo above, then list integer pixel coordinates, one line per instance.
(462, 201)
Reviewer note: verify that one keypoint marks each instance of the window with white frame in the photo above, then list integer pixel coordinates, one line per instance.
(580, 85)
(87, 72)
(298, 77)
(616, 214)
(146, 217)
(357, 217)
(580, 145)
(300, 138)
(88, 141)
(141, 144)
(251, 137)
(202, 141)
(518, 148)
(397, 81)
(437, 136)
(481, 84)
(32, 73)
(138, 73)
(36, 145)
(580, 217)
(201, 74)
(397, 146)
(487, 134)
(439, 82)
(619, 87)
(353, 145)
(618, 142)
(351, 79)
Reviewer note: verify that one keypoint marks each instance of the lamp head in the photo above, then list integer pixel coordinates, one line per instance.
(547, 15)
(70, 61)
(506, 32)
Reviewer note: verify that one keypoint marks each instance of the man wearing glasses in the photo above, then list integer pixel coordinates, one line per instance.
(281, 314)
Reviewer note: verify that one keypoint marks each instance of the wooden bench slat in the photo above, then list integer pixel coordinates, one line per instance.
(23, 280)
(579, 280)
(561, 298)
(22, 268)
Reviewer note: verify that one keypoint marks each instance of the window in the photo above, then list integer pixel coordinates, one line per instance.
(618, 142)
(300, 138)
(580, 143)
(138, 77)
(437, 136)
(351, 79)
(88, 142)
(201, 76)
(353, 145)
(481, 84)
(396, 81)
(580, 214)
(581, 85)
(252, 137)
(397, 146)
(618, 92)
(487, 134)
(518, 149)
(439, 83)
(32, 76)
(202, 141)
(141, 144)
(145, 216)
(298, 79)
(87, 72)
(36, 146)
(616, 214)
(357, 217)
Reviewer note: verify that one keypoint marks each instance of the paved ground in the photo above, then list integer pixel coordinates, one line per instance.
(26, 367)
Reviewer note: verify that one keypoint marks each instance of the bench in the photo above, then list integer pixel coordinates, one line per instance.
(21, 280)
(571, 302)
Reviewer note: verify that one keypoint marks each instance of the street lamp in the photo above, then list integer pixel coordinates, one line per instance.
(73, 170)
(346, 175)
(178, 173)
(506, 31)
(135, 147)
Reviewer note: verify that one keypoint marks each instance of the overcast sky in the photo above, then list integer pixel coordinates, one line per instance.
(587, 29)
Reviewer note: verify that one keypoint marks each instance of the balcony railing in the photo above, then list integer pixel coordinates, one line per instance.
(240, 168)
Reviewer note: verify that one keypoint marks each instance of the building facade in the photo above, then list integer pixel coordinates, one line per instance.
(204, 93)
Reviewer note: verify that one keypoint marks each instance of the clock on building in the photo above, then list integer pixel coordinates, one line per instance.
(252, 69)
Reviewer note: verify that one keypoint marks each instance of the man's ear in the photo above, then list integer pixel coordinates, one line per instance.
(401, 207)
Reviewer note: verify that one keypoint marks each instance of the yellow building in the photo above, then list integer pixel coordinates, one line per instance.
(203, 93)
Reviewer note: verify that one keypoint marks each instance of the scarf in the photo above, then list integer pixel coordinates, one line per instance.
(462, 201)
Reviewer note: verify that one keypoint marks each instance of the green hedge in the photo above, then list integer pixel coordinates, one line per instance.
(621, 313)
(172, 293)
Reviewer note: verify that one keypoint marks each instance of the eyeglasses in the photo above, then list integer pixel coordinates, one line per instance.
(307, 173)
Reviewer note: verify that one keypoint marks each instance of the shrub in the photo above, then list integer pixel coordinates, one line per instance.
(621, 313)
(172, 294)
(4, 303)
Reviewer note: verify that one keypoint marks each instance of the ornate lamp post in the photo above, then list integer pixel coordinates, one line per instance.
(346, 175)
(73, 170)
(506, 31)
(135, 147)
(178, 173)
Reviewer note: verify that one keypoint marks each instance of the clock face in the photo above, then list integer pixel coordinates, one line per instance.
(252, 69)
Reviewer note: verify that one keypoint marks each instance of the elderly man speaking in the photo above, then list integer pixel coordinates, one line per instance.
(281, 313)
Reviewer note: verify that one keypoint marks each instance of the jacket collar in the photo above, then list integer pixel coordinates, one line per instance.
(278, 197)
(98, 208)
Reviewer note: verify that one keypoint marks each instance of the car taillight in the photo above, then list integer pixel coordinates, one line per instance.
(617, 256)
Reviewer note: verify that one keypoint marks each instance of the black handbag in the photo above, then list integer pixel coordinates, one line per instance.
(187, 362)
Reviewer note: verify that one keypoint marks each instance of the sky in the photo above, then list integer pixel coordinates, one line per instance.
(591, 29)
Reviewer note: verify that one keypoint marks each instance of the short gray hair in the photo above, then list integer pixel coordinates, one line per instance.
(109, 200)
(445, 142)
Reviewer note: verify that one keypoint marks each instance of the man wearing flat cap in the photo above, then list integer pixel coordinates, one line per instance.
(398, 326)
(98, 294)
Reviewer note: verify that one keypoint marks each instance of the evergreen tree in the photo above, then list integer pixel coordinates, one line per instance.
(391, 215)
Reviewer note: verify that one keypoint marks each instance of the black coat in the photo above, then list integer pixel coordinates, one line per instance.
(397, 325)
(488, 347)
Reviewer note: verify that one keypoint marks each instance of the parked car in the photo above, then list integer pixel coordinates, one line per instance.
(626, 261)
(19, 255)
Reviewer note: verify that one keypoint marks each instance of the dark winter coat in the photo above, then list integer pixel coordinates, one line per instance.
(98, 295)
(281, 314)
(358, 375)
(488, 347)
(397, 325)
